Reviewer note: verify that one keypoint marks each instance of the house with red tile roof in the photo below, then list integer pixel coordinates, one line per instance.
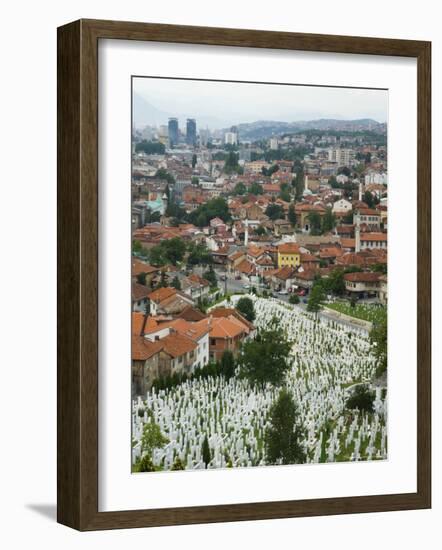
(226, 333)
(362, 283)
(168, 300)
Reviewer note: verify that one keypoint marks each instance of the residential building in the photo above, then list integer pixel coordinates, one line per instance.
(289, 254)
(362, 283)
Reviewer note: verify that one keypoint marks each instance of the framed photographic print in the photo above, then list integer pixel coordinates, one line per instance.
(243, 275)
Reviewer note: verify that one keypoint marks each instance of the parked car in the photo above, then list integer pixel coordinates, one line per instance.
(283, 292)
(301, 292)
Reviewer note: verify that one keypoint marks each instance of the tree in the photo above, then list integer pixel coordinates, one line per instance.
(334, 282)
(227, 364)
(177, 465)
(163, 174)
(156, 256)
(294, 299)
(266, 359)
(210, 276)
(270, 171)
(195, 180)
(240, 189)
(137, 247)
(284, 195)
(260, 231)
(246, 308)
(282, 437)
(368, 199)
(314, 220)
(145, 464)
(299, 179)
(316, 297)
(214, 208)
(198, 254)
(348, 218)
(152, 438)
(345, 170)
(231, 164)
(292, 214)
(175, 211)
(333, 182)
(362, 398)
(150, 147)
(256, 189)
(141, 278)
(328, 221)
(205, 451)
(176, 283)
(194, 160)
(274, 211)
(378, 338)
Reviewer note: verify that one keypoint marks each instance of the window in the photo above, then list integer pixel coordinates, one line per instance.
(213, 342)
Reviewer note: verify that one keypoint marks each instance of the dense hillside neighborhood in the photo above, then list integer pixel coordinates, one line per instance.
(240, 240)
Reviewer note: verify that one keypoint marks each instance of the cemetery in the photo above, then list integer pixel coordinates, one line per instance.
(219, 422)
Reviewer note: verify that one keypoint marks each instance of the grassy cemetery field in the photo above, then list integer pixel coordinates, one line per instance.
(220, 422)
(366, 312)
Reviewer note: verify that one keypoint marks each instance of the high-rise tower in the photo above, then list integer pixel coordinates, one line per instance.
(191, 132)
(173, 132)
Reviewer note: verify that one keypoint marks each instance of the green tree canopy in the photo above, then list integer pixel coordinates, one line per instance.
(152, 438)
(231, 164)
(315, 222)
(361, 398)
(163, 174)
(328, 220)
(256, 189)
(378, 338)
(292, 214)
(150, 147)
(240, 189)
(282, 437)
(210, 276)
(316, 297)
(227, 365)
(275, 211)
(198, 254)
(214, 208)
(205, 451)
(246, 308)
(266, 359)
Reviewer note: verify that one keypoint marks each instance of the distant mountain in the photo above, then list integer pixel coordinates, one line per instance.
(145, 114)
(264, 129)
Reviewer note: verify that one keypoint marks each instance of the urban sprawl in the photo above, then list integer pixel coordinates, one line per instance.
(259, 294)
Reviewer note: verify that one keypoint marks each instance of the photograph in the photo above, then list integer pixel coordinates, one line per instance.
(259, 274)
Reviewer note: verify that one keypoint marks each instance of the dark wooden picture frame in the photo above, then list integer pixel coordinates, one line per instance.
(77, 462)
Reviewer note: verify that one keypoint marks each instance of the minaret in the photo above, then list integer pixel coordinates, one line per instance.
(165, 202)
(246, 234)
(360, 191)
(358, 234)
(306, 182)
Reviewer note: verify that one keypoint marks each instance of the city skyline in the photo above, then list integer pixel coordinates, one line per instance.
(217, 105)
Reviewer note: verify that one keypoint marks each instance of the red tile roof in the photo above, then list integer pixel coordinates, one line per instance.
(289, 248)
(161, 294)
(362, 277)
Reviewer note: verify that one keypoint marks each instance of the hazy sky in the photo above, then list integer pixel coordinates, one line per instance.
(225, 103)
